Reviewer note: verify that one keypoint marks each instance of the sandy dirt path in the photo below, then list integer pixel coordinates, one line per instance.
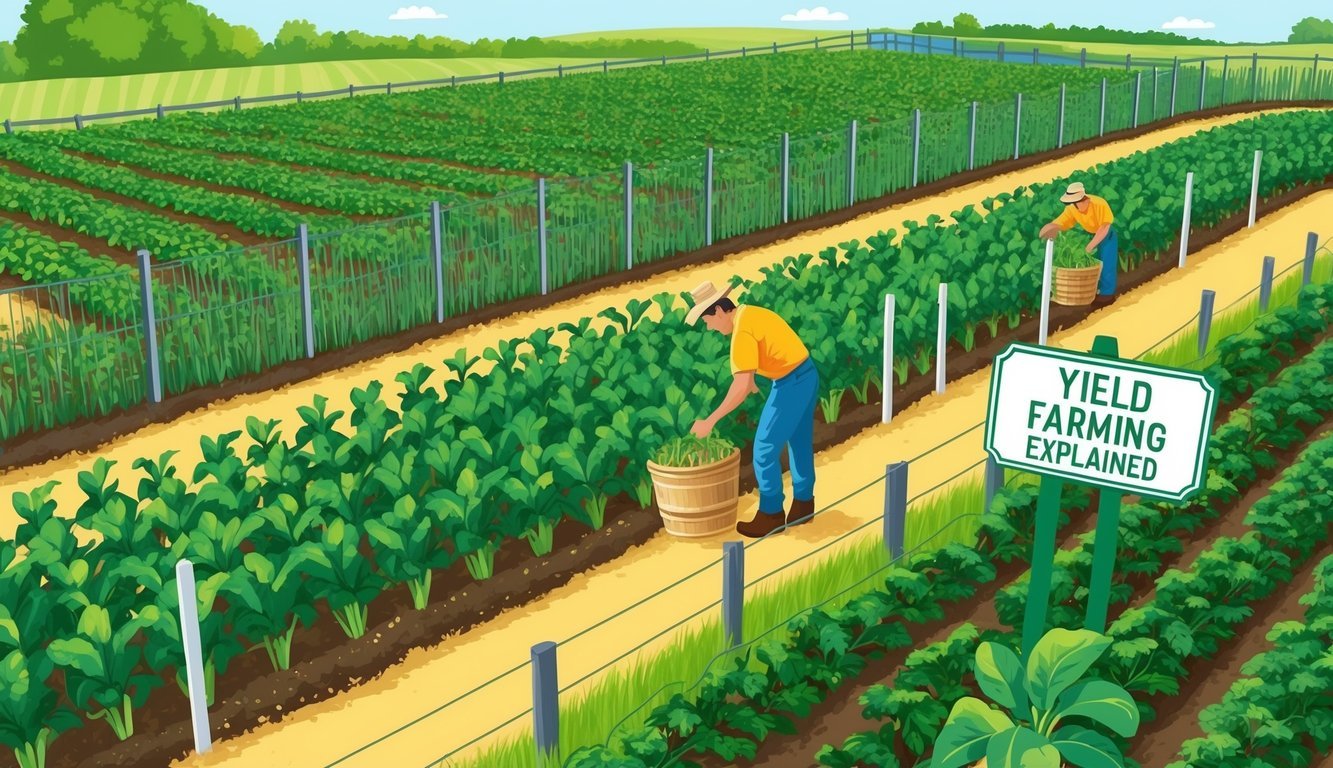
(324, 732)
(183, 434)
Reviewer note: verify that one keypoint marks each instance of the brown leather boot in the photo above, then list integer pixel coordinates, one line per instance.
(801, 512)
(761, 525)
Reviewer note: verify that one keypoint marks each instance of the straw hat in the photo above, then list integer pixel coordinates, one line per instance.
(1074, 193)
(705, 296)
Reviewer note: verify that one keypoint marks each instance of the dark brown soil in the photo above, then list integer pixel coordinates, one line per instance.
(86, 435)
(222, 230)
(146, 172)
(839, 717)
(1159, 741)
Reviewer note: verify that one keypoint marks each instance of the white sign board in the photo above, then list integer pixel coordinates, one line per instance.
(1099, 420)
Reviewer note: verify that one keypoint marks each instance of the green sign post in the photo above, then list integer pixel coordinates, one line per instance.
(1116, 425)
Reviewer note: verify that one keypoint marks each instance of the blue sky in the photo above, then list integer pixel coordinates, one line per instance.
(1234, 20)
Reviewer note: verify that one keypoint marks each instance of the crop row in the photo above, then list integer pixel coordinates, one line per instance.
(824, 652)
(1279, 712)
(1189, 614)
(344, 194)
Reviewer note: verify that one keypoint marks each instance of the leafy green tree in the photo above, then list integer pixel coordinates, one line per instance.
(11, 66)
(1312, 30)
(966, 22)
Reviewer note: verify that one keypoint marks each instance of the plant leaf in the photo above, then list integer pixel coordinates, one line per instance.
(1087, 748)
(1012, 747)
(963, 739)
(1000, 676)
(1059, 660)
(1102, 702)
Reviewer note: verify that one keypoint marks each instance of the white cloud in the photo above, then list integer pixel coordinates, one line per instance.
(415, 13)
(1180, 22)
(819, 13)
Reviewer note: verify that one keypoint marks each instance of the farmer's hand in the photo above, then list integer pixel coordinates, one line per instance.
(1090, 249)
(754, 388)
(1049, 232)
(702, 428)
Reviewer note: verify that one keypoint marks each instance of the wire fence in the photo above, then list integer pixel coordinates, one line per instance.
(221, 316)
(1244, 312)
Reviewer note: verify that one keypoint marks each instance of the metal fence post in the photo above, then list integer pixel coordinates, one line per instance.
(1036, 55)
(388, 89)
(606, 67)
(307, 305)
(437, 252)
(1083, 58)
(629, 215)
(1254, 186)
(78, 122)
(541, 235)
(151, 356)
(501, 77)
(545, 705)
(1311, 246)
(1314, 77)
(1154, 93)
(1101, 126)
(1185, 217)
(1175, 71)
(1266, 283)
(786, 177)
(1060, 119)
(1254, 77)
(188, 608)
(1128, 58)
(1043, 326)
(559, 70)
(916, 146)
(733, 592)
(941, 339)
(895, 508)
(851, 163)
(162, 111)
(886, 406)
(993, 482)
(743, 51)
(708, 54)
(1203, 82)
(708, 196)
(1206, 300)
(351, 91)
(1226, 64)
(453, 81)
(1018, 122)
(1138, 89)
(9, 126)
(955, 47)
(999, 52)
(775, 43)
(972, 138)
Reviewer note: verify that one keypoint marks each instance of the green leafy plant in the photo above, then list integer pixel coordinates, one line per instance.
(1046, 694)
(1071, 252)
(690, 451)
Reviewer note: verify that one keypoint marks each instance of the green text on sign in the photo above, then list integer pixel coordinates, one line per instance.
(1100, 421)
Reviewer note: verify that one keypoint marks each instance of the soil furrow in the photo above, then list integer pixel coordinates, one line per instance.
(57, 233)
(210, 186)
(221, 229)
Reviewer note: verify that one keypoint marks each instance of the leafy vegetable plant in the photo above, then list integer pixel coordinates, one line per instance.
(690, 451)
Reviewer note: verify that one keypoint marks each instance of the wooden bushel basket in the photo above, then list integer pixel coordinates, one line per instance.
(1075, 287)
(696, 502)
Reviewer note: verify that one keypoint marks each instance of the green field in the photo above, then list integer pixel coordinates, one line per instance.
(88, 95)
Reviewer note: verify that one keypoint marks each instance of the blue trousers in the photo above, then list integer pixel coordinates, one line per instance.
(1108, 250)
(788, 419)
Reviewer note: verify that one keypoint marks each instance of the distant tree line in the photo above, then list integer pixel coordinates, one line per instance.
(967, 25)
(1312, 30)
(82, 38)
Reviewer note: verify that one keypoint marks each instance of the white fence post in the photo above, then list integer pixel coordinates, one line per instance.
(1138, 89)
(1018, 122)
(708, 196)
(851, 163)
(437, 252)
(1175, 72)
(972, 138)
(188, 600)
(1044, 324)
(1060, 119)
(1226, 64)
(886, 408)
(941, 338)
(786, 177)
(916, 146)
(1185, 218)
(152, 358)
(541, 236)
(1254, 77)
(629, 215)
(1203, 82)
(1101, 129)
(307, 301)
(1254, 186)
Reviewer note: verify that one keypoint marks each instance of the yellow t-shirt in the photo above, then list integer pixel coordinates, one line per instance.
(762, 342)
(1097, 215)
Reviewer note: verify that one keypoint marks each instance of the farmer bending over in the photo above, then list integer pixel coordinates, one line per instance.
(1094, 215)
(762, 343)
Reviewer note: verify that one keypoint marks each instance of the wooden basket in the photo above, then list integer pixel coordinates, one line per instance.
(1075, 287)
(696, 502)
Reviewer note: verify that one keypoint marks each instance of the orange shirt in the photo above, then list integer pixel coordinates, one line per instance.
(763, 343)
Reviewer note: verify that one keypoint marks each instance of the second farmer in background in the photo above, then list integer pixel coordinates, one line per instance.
(1093, 214)
(763, 344)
